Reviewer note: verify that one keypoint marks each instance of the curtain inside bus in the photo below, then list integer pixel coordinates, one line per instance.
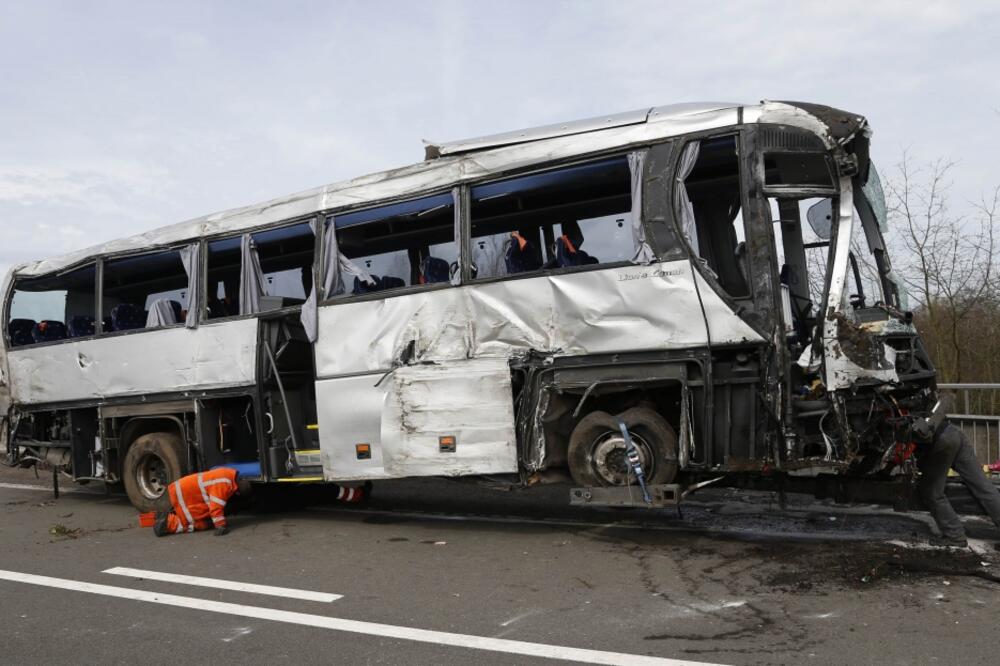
(191, 258)
(251, 277)
(636, 165)
(682, 203)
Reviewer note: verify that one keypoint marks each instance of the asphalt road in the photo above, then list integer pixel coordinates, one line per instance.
(433, 571)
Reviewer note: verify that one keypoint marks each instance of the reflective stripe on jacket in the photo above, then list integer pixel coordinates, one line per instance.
(199, 500)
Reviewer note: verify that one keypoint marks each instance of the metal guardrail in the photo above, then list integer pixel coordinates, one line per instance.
(982, 429)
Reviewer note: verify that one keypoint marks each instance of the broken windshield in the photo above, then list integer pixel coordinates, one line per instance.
(876, 198)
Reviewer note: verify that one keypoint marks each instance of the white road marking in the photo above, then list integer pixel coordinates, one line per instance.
(353, 626)
(287, 592)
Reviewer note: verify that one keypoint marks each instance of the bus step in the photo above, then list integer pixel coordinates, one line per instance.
(662, 495)
(308, 458)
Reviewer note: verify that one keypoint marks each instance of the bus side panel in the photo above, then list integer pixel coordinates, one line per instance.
(630, 308)
(155, 361)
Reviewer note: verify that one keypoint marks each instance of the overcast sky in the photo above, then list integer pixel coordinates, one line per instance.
(119, 117)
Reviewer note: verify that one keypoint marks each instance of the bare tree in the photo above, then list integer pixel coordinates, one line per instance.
(947, 261)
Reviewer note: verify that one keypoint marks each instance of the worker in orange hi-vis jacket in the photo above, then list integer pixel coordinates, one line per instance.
(199, 501)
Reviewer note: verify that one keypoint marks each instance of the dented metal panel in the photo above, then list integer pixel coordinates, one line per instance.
(398, 421)
(655, 114)
(602, 311)
(211, 356)
(449, 419)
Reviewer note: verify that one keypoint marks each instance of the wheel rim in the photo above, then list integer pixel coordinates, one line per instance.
(151, 476)
(609, 462)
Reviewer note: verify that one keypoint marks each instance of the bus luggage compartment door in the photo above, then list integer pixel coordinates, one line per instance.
(452, 419)
(446, 419)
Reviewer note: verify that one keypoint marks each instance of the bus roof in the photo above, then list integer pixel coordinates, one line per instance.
(457, 162)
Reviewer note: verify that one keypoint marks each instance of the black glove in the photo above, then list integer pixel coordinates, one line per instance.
(221, 531)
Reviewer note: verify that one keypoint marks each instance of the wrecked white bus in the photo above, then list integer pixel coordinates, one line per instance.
(711, 275)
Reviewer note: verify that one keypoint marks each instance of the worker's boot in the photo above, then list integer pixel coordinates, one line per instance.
(160, 526)
(949, 542)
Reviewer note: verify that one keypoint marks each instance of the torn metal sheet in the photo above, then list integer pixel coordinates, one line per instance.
(210, 356)
(851, 352)
(592, 312)
(442, 173)
(587, 125)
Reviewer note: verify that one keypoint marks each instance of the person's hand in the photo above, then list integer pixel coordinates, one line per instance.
(221, 531)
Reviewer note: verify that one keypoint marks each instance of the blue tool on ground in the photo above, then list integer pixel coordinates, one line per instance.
(632, 455)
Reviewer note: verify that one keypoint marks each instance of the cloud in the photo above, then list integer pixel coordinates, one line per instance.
(116, 118)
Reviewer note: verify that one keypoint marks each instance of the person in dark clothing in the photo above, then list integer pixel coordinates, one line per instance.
(940, 447)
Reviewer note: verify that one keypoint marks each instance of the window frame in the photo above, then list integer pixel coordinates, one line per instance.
(99, 331)
(203, 318)
(461, 242)
(533, 171)
(745, 178)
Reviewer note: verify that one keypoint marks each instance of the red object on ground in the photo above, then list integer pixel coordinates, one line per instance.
(994, 467)
(147, 519)
(350, 495)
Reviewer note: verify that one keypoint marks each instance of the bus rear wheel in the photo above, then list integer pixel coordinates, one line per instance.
(597, 451)
(152, 463)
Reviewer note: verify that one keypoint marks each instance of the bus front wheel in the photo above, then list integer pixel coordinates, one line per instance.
(152, 463)
(597, 449)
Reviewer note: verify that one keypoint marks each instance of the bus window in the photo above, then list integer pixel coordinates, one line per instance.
(400, 245)
(713, 187)
(145, 291)
(569, 217)
(286, 259)
(224, 278)
(53, 308)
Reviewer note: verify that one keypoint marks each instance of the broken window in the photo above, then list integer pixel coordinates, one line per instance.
(802, 230)
(224, 278)
(286, 259)
(46, 309)
(576, 216)
(712, 217)
(400, 245)
(145, 291)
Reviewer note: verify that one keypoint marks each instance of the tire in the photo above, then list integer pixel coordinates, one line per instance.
(596, 454)
(152, 463)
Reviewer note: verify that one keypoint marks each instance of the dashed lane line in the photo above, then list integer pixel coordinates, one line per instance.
(218, 583)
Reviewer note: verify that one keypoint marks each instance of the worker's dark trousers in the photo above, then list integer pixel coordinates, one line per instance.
(951, 449)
